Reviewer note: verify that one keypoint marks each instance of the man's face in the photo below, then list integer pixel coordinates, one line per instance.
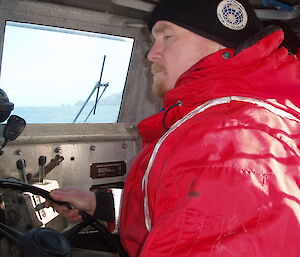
(174, 51)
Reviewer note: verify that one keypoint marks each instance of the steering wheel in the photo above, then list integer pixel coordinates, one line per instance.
(44, 242)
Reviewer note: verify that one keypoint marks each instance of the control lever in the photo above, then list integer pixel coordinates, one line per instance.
(42, 162)
(21, 164)
(53, 163)
(47, 168)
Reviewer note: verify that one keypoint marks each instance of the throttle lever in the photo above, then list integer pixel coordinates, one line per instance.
(53, 163)
(46, 168)
(21, 164)
(42, 162)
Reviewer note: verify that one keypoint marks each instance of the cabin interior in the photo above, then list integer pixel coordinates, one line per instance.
(81, 89)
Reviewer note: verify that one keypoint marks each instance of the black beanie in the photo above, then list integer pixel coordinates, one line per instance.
(228, 22)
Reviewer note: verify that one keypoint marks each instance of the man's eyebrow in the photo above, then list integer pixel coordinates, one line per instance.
(162, 28)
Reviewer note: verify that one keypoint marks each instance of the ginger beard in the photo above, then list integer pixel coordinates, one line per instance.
(158, 85)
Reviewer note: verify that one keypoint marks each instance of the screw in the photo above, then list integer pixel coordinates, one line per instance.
(93, 148)
(124, 146)
(19, 152)
(57, 150)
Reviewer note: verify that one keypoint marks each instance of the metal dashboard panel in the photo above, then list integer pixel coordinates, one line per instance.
(79, 144)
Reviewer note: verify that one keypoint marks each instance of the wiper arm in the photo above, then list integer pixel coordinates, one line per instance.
(97, 87)
(97, 100)
(100, 79)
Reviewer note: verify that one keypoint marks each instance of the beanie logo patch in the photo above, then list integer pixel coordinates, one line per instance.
(232, 14)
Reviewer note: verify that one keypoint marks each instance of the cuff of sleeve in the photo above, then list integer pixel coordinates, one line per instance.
(105, 209)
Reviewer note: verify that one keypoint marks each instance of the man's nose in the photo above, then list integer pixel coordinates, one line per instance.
(154, 54)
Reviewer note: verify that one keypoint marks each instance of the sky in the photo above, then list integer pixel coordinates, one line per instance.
(42, 67)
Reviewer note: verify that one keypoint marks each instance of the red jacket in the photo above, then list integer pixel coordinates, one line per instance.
(226, 181)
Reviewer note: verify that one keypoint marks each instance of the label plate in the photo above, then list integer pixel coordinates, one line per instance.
(107, 169)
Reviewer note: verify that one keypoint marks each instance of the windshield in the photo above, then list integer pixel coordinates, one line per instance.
(56, 75)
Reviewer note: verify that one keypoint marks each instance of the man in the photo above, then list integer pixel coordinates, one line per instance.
(219, 172)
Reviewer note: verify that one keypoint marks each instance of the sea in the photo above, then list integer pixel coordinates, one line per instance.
(67, 114)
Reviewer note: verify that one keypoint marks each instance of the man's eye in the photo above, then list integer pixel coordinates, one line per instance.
(167, 36)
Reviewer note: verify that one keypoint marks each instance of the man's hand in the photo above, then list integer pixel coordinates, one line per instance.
(81, 201)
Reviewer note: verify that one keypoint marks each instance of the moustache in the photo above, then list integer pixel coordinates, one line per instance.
(156, 67)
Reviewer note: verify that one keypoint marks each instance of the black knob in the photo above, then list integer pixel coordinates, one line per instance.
(42, 160)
